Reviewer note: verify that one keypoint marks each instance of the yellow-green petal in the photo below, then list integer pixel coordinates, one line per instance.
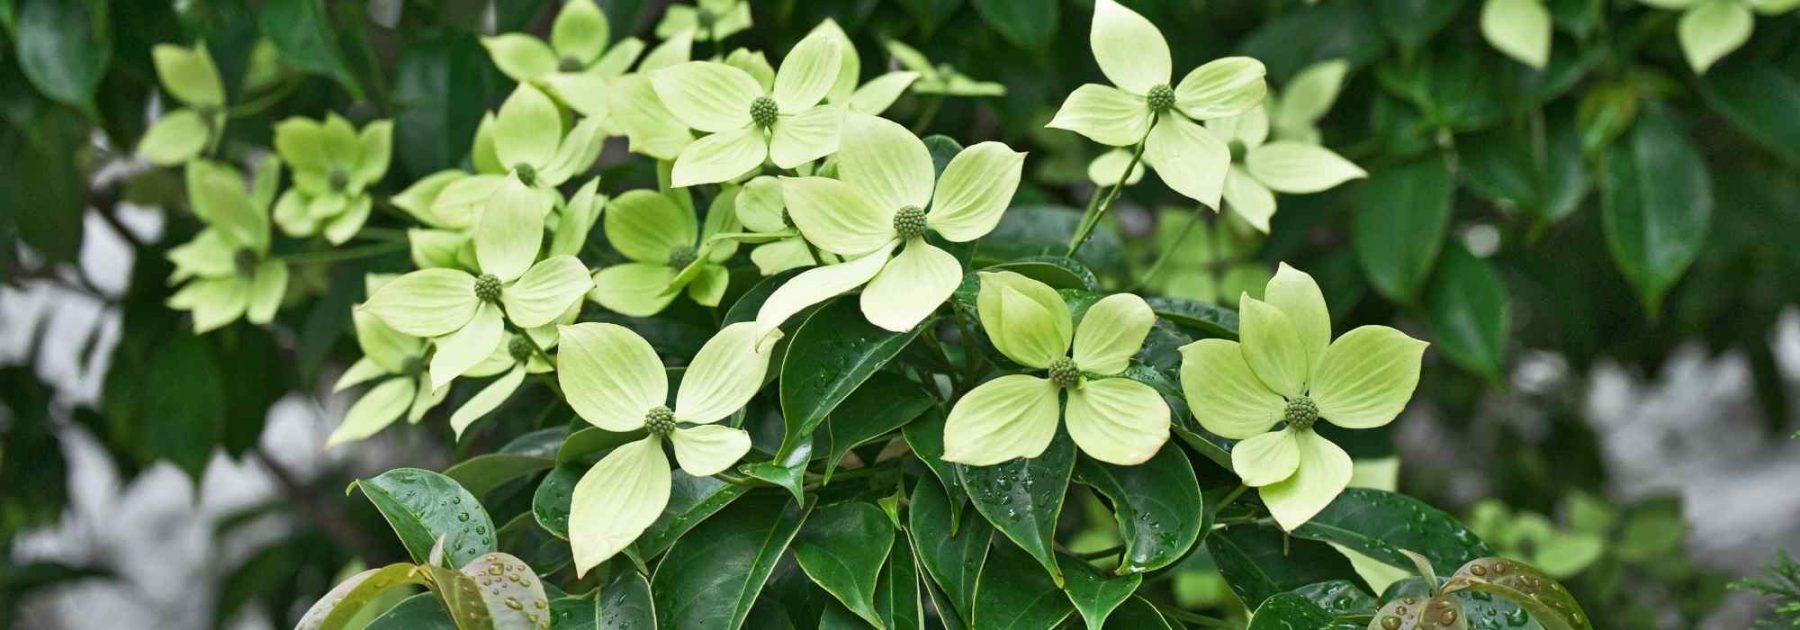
(708, 286)
(760, 205)
(519, 56)
(528, 128)
(911, 287)
(616, 501)
(808, 71)
(1111, 331)
(426, 303)
(1367, 376)
(709, 449)
(1712, 29)
(1117, 420)
(1519, 29)
(268, 284)
(886, 163)
(1308, 96)
(1006, 418)
(378, 408)
(1250, 128)
(837, 216)
(1225, 396)
(1248, 198)
(188, 74)
(1272, 347)
(782, 255)
(1105, 114)
(880, 92)
(720, 157)
(486, 400)
(175, 138)
(580, 31)
(634, 289)
(1299, 168)
(724, 375)
(711, 97)
(382, 345)
(468, 346)
(609, 375)
(1222, 87)
(817, 285)
(1026, 319)
(975, 190)
(806, 136)
(1130, 50)
(646, 226)
(1322, 473)
(1106, 169)
(1188, 158)
(546, 291)
(1266, 459)
(511, 230)
(1297, 295)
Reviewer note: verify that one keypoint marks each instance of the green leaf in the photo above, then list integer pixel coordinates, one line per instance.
(481, 474)
(884, 403)
(625, 603)
(1380, 524)
(1759, 99)
(691, 501)
(1211, 319)
(63, 48)
(1401, 225)
(1056, 271)
(1657, 200)
(1536, 167)
(512, 592)
(1157, 505)
(590, 440)
(952, 557)
(1024, 497)
(43, 188)
(1411, 23)
(842, 548)
(788, 472)
(1137, 614)
(550, 503)
(1287, 611)
(1028, 24)
(569, 611)
(1338, 597)
(1015, 594)
(1026, 231)
(423, 611)
(1094, 594)
(829, 357)
(1471, 315)
(441, 79)
(1259, 561)
(710, 579)
(926, 439)
(302, 31)
(422, 505)
(897, 594)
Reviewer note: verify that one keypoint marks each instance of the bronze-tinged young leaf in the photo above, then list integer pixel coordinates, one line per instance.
(511, 590)
(346, 599)
(422, 505)
(1024, 497)
(842, 548)
(1443, 612)
(1546, 599)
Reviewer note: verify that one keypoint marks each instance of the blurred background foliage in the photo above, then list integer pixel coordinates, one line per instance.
(1611, 208)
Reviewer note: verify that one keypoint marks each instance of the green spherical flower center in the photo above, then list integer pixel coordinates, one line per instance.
(659, 421)
(521, 348)
(338, 179)
(764, 111)
(487, 288)
(909, 223)
(1301, 413)
(1161, 97)
(526, 172)
(1064, 373)
(569, 64)
(245, 261)
(682, 256)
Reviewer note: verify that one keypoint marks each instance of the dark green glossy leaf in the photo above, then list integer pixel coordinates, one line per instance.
(787, 472)
(1056, 271)
(1024, 497)
(63, 47)
(1259, 561)
(1157, 505)
(691, 501)
(1015, 593)
(842, 548)
(1094, 593)
(1028, 24)
(1401, 225)
(897, 596)
(1760, 100)
(302, 31)
(1137, 614)
(1338, 597)
(952, 557)
(550, 503)
(1288, 611)
(1211, 319)
(573, 612)
(746, 306)
(1380, 524)
(1044, 230)
(1302, 35)
(830, 355)
(885, 403)
(422, 505)
(1411, 22)
(590, 440)
(925, 437)
(711, 577)
(483, 473)
(1657, 201)
(1536, 167)
(625, 603)
(1471, 315)
(441, 81)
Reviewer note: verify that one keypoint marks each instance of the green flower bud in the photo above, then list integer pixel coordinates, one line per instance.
(521, 348)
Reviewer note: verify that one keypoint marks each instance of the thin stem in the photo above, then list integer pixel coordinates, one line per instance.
(338, 255)
(752, 237)
(1162, 258)
(1091, 218)
(1101, 553)
(1230, 496)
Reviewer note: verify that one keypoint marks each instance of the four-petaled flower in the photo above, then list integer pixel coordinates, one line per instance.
(1111, 418)
(750, 121)
(575, 66)
(1259, 169)
(333, 166)
(398, 362)
(614, 381)
(189, 76)
(709, 20)
(668, 252)
(884, 198)
(227, 267)
(1284, 376)
(1144, 111)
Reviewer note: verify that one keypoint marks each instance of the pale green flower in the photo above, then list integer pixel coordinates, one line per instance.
(464, 313)
(227, 267)
(668, 249)
(1294, 113)
(884, 198)
(516, 357)
(1711, 29)
(333, 166)
(708, 21)
(614, 381)
(1285, 375)
(396, 363)
(1534, 539)
(1111, 418)
(751, 122)
(761, 209)
(1519, 29)
(1207, 261)
(871, 98)
(1259, 168)
(1144, 111)
(940, 78)
(187, 75)
(525, 141)
(575, 66)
